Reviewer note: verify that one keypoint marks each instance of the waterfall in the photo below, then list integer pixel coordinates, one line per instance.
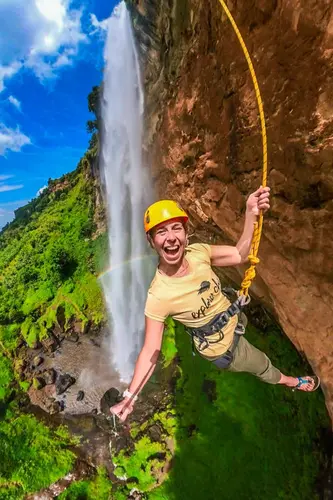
(128, 193)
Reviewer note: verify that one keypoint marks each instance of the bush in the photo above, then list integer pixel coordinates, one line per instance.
(33, 456)
(6, 377)
(98, 488)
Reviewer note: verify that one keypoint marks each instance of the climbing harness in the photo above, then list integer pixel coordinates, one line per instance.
(216, 325)
(243, 298)
(250, 273)
(226, 359)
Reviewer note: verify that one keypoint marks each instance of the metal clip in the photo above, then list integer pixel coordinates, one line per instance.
(244, 300)
(203, 345)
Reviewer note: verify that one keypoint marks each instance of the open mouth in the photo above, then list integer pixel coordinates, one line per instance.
(172, 251)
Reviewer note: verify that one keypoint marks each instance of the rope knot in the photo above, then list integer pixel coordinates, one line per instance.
(253, 260)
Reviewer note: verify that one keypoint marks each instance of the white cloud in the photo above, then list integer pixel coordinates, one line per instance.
(5, 177)
(15, 102)
(98, 25)
(12, 140)
(41, 190)
(7, 187)
(8, 71)
(44, 37)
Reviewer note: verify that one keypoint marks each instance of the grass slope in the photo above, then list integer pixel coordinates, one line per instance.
(48, 266)
(32, 455)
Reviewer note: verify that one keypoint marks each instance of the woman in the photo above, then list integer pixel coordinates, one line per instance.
(186, 288)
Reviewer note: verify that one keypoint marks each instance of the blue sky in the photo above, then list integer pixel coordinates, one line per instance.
(51, 55)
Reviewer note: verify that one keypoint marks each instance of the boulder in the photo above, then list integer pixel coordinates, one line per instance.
(51, 343)
(55, 407)
(155, 433)
(73, 337)
(37, 361)
(50, 376)
(109, 398)
(38, 383)
(42, 397)
(80, 396)
(95, 342)
(64, 382)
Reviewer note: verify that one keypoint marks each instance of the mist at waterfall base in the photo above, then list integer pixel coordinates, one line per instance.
(128, 193)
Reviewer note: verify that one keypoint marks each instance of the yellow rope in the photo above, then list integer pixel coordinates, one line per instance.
(254, 260)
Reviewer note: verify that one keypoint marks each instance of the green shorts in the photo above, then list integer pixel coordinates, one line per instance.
(247, 358)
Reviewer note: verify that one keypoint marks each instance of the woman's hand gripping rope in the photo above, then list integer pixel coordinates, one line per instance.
(256, 205)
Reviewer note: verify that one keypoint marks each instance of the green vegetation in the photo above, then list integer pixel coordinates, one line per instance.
(142, 463)
(98, 488)
(48, 263)
(6, 377)
(32, 456)
(235, 436)
(169, 349)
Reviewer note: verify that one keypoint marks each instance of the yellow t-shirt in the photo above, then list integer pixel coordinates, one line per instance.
(193, 299)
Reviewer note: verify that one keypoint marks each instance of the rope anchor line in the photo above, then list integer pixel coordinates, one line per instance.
(254, 260)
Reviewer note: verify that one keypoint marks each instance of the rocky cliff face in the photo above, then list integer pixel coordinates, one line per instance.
(204, 145)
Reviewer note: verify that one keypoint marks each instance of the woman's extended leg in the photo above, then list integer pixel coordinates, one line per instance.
(248, 358)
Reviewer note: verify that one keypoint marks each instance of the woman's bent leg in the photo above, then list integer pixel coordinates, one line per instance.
(248, 358)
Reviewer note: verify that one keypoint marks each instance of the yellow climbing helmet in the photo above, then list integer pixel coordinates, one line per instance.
(162, 211)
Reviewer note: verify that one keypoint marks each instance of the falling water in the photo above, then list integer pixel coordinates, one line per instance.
(128, 193)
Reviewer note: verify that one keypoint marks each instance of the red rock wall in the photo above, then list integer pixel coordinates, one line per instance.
(203, 140)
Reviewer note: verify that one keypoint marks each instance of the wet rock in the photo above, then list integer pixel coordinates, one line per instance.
(80, 396)
(21, 343)
(73, 337)
(64, 382)
(51, 343)
(135, 495)
(155, 433)
(55, 407)
(37, 361)
(86, 327)
(42, 397)
(58, 333)
(38, 383)
(50, 376)
(61, 317)
(80, 327)
(20, 366)
(77, 327)
(110, 398)
(95, 342)
(36, 345)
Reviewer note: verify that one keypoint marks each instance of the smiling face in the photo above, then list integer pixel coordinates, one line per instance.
(169, 240)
